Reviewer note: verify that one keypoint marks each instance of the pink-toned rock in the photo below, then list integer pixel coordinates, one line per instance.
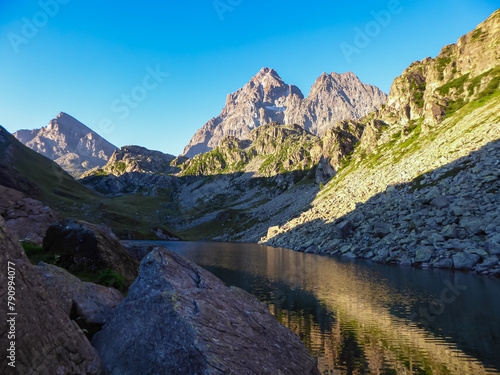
(266, 99)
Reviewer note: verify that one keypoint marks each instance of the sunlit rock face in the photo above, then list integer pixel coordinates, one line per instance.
(267, 98)
(68, 142)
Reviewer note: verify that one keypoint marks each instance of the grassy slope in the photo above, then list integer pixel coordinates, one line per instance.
(396, 148)
(60, 190)
(133, 214)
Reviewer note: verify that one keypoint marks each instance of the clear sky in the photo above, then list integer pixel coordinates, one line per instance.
(153, 72)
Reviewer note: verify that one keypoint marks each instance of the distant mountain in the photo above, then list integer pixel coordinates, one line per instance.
(129, 159)
(38, 177)
(267, 98)
(71, 144)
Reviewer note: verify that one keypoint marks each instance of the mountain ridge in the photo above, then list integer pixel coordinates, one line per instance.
(266, 98)
(68, 142)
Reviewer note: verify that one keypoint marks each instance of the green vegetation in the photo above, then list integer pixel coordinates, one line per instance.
(472, 85)
(491, 87)
(396, 136)
(418, 184)
(120, 166)
(58, 189)
(135, 214)
(233, 222)
(106, 277)
(460, 112)
(113, 279)
(477, 34)
(36, 254)
(457, 83)
(418, 92)
(100, 172)
(212, 162)
(441, 64)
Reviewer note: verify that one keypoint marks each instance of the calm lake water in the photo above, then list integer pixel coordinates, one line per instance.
(361, 317)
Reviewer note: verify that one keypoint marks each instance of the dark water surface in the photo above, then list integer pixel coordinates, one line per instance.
(360, 317)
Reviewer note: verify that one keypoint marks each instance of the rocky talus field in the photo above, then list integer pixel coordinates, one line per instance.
(432, 203)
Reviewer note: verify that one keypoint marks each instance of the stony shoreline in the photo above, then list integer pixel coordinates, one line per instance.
(449, 218)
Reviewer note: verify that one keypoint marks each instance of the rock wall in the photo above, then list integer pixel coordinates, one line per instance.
(266, 99)
(462, 72)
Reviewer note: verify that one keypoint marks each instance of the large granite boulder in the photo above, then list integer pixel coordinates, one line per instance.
(26, 217)
(46, 340)
(85, 301)
(180, 319)
(82, 246)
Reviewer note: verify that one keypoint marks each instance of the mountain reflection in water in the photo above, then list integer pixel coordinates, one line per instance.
(361, 317)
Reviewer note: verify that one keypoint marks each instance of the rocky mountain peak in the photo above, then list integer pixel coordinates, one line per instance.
(266, 98)
(68, 142)
(264, 72)
(335, 97)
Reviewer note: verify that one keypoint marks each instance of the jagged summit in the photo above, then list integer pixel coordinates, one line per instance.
(265, 71)
(267, 98)
(262, 100)
(71, 144)
(335, 97)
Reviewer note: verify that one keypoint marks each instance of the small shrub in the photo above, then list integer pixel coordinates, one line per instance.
(36, 254)
(120, 166)
(457, 83)
(111, 278)
(397, 135)
(477, 34)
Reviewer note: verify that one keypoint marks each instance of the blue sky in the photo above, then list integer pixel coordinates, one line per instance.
(153, 72)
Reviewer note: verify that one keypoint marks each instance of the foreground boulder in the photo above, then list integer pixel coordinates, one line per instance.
(180, 319)
(82, 246)
(46, 340)
(26, 217)
(87, 302)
